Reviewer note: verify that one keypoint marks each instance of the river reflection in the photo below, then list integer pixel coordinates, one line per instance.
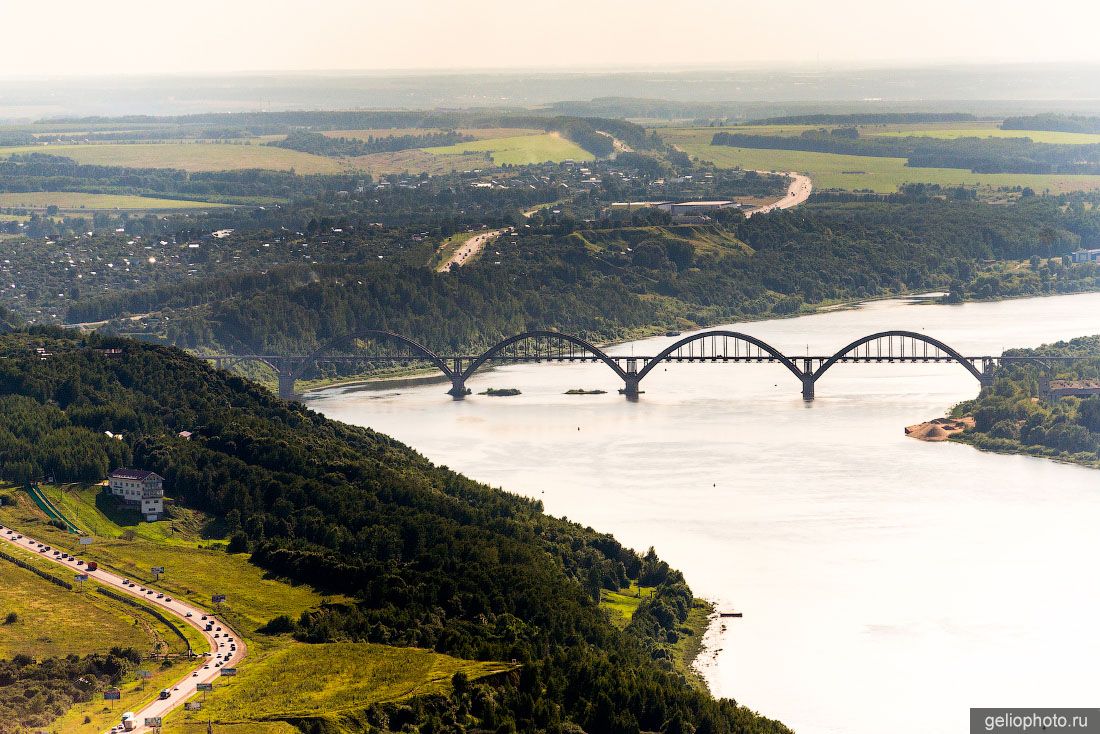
(888, 585)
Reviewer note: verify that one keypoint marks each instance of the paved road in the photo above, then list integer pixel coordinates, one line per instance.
(469, 249)
(204, 671)
(798, 192)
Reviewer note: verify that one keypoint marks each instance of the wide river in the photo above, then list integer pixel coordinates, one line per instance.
(887, 585)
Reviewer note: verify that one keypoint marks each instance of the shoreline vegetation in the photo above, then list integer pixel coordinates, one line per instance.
(1041, 407)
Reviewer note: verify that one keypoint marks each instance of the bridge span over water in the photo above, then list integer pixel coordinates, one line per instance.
(374, 348)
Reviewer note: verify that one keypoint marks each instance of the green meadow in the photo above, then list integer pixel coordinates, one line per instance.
(519, 150)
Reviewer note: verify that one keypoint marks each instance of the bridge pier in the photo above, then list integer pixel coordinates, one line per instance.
(808, 383)
(631, 390)
(989, 370)
(458, 389)
(286, 384)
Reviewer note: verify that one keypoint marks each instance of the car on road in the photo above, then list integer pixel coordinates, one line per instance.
(189, 615)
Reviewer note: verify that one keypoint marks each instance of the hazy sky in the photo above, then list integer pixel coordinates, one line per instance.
(176, 36)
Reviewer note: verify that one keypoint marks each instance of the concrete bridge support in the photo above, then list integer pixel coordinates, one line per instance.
(630, 390)
(286, 383)
(458, 389)
(808, 383)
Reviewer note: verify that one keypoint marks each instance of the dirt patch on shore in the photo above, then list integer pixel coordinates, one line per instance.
(939, 429)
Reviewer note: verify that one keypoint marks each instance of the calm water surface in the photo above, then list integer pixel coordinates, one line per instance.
(887, 584)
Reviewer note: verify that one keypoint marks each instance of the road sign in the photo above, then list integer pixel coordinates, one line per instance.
(85, 540)
(152, 721)
(229, 672)
(144, 674)
(204, 687)
(193, 706)
(157, 569)
(218, 599)
(112, 695)
(80, 577)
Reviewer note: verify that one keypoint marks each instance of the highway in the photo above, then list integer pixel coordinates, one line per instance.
(204, 671)
(798, 192)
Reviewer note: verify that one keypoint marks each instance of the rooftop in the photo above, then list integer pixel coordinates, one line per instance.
(138, 475)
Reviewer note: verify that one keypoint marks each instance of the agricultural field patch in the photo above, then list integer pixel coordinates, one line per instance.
(417, 160)
(519, 150)
(191, 157)
(77, 201)
(870, 173)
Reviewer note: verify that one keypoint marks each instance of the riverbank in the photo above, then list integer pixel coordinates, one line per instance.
(939, 429)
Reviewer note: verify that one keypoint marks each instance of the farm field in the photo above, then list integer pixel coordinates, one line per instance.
(520, 150)
(868, 173)
(77, 201)
(193, 157)
(326, 680)
(481, 133)
(417, 160)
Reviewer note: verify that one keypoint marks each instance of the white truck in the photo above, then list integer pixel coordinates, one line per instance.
(129, 722)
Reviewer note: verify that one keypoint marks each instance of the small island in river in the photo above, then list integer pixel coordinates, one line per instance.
(501, 392)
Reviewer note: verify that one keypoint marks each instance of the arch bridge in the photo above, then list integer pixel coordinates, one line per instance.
(379, 347)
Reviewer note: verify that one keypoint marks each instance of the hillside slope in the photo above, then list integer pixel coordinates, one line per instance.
(426, 557)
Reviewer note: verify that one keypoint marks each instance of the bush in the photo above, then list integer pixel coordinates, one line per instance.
(12, 618)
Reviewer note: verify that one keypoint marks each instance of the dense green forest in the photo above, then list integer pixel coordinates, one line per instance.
(318, 144)
(1013, 415)
(35, 692)
(980, 155)
(430, 558)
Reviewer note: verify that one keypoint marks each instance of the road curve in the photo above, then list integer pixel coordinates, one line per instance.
(205, 670)
(799, 190)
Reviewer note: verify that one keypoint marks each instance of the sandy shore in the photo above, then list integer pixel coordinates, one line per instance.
(940, 429)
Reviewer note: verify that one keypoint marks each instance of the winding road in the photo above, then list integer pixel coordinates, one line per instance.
(799, 190)
(219, 639)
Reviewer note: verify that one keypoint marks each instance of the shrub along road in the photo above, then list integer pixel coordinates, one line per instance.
(206, 670)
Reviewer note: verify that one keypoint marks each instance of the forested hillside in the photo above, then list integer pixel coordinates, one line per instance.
(432, 559)
(606, 281)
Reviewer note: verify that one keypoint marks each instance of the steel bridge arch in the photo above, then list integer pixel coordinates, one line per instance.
(500, 346)
(772, 351)
(952, 353)
(417, 347)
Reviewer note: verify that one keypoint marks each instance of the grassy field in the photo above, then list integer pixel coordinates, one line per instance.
(520, 150)
(189, 156)
(324, 681)
(54, 621)
(856, 172)
(622, 604)
(76, 201)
